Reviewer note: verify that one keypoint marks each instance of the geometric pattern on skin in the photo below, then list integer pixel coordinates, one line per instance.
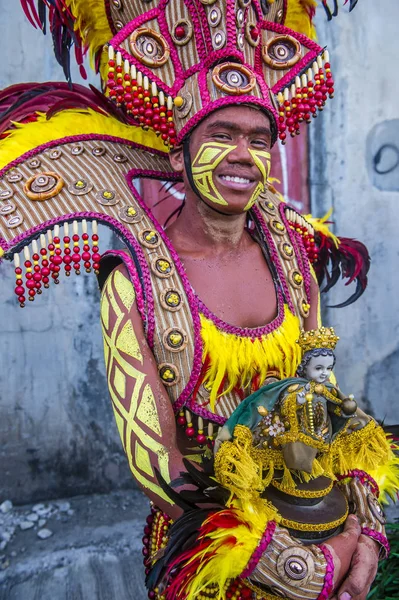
(208, 157)
(138, 427)
(257, 156)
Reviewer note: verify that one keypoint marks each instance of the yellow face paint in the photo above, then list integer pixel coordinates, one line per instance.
(209, 156)
(262, 161)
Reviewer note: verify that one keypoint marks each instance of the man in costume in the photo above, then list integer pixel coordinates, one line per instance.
(215, 83)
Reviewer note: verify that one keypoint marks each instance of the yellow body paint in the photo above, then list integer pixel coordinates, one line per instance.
(209, 156)
(259, 156)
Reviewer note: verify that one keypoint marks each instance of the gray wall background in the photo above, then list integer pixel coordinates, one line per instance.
(57, 435)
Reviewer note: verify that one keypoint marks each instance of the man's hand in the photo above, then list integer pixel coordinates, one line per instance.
(343, 548)
(362, 572)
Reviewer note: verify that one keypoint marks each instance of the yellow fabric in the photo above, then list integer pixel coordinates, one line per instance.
(92, 23)
(239, 359)
(298, 17)
(71, 122)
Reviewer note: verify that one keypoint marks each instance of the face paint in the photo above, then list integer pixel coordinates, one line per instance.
(209, 156)
(258, 155)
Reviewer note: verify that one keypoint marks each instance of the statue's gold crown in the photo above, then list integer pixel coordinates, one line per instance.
(324, 337)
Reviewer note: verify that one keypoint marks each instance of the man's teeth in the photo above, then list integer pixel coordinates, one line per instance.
(236, 179)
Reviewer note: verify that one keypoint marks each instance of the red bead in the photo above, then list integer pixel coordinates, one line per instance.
(180, 32)
(30, 284)
(76, 258)
(19, 282)
(67, 260)
(68, 268)
(51, 247)
(181, 421)
(27, 264)
(45, 272)
(201, 439)
(45, 279)
(35, 257)
(19, 290)
(75, 238)
(85, 256)
(21, 299)
(254, 33)
(29, 276)
(94, 237)
(96, 257)
(96, 266)
(18, 270)
(57, 260)
(37, 277)
(56, 240)
(190, 432)
(32, 293)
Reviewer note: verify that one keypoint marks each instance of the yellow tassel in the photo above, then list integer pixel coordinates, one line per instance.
(321, 226)
(298, 17)
(92, 23)
(29, 136)
(387, 475)
(240, 359)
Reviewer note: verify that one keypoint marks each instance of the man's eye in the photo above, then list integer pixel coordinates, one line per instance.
(260, 143)
(223, 136)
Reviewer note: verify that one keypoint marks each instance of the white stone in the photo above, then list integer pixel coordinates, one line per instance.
(26, 525)
(43, 534)
(6, 506)
(33, 517)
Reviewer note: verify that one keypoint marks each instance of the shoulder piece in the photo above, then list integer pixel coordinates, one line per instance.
(286, 250)
(332, 257)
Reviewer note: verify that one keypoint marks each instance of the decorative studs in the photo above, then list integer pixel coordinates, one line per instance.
(279, 15)
(162, 267)
(55, 154)
(240, 17)
(119, 158)
(171, 300)
(34, 163)
(14, 221)
(13, 177)
(98, 151)
(117, 4)
(277, 227)
(43, 186)
(184, 108)
(119, 25)
(267, 206)
(295, 565)
(295, 278)
(281, 52)
(233, 78)
(376, 509)
(214, 16)
(149, 46)
(6, 208)
(304, 308)
(107, 197)
(169, 374)
(252, 33)
(175, 339)
(149, 238)
(182, 32)
(6, 194)
(130, 214)
(80, 187)
(240, 40)
(219, 39)
(287, 251)
(77, 149)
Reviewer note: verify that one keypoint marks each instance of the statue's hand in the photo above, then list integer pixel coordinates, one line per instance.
(363, 568)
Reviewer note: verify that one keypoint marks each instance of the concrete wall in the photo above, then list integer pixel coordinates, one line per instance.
(356, 136)
(57, 434)
(57, 431)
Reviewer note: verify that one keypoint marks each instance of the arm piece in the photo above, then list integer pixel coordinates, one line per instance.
(143, 412)
(294, 571)
(362, 492)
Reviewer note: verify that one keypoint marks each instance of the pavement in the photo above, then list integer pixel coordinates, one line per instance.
(81, 548)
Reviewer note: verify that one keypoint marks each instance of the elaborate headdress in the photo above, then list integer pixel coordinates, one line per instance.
(324, 337)
(170, 63)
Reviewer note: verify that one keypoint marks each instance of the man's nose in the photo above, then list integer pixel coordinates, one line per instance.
(241, 152)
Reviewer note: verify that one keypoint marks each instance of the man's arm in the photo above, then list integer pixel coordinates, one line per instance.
(142, 408)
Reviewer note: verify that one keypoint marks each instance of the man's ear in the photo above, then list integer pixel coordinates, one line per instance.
(176, 159)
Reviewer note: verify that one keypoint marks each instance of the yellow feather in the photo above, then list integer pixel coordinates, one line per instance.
(298, 17)
(92, 23)
(239, 359)
(321, 226)
(29, 136)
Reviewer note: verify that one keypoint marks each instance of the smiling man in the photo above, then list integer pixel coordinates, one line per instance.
(197, 318)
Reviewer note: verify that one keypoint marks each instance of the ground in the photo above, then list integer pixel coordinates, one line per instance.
(91, 548)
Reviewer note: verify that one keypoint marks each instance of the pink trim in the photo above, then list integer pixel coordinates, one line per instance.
(300, 252)
(285, 8)
(25, 237)
(203, 85)
(3, 246)
(364, 478)
(197, 30)
(134, 276)
(230, 25)
(261, 548)
(253, 333)
(109, 17)
(78, 138)
(220, 103)
(258, 10)
(378, 537)
(329, 576)
(123, 34)
(274, 257)
(198, 7)
(192, 301)
(200, 411)
(163, 26)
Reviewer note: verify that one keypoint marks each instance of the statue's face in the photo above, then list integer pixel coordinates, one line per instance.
(319, 368)
(230, 158)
